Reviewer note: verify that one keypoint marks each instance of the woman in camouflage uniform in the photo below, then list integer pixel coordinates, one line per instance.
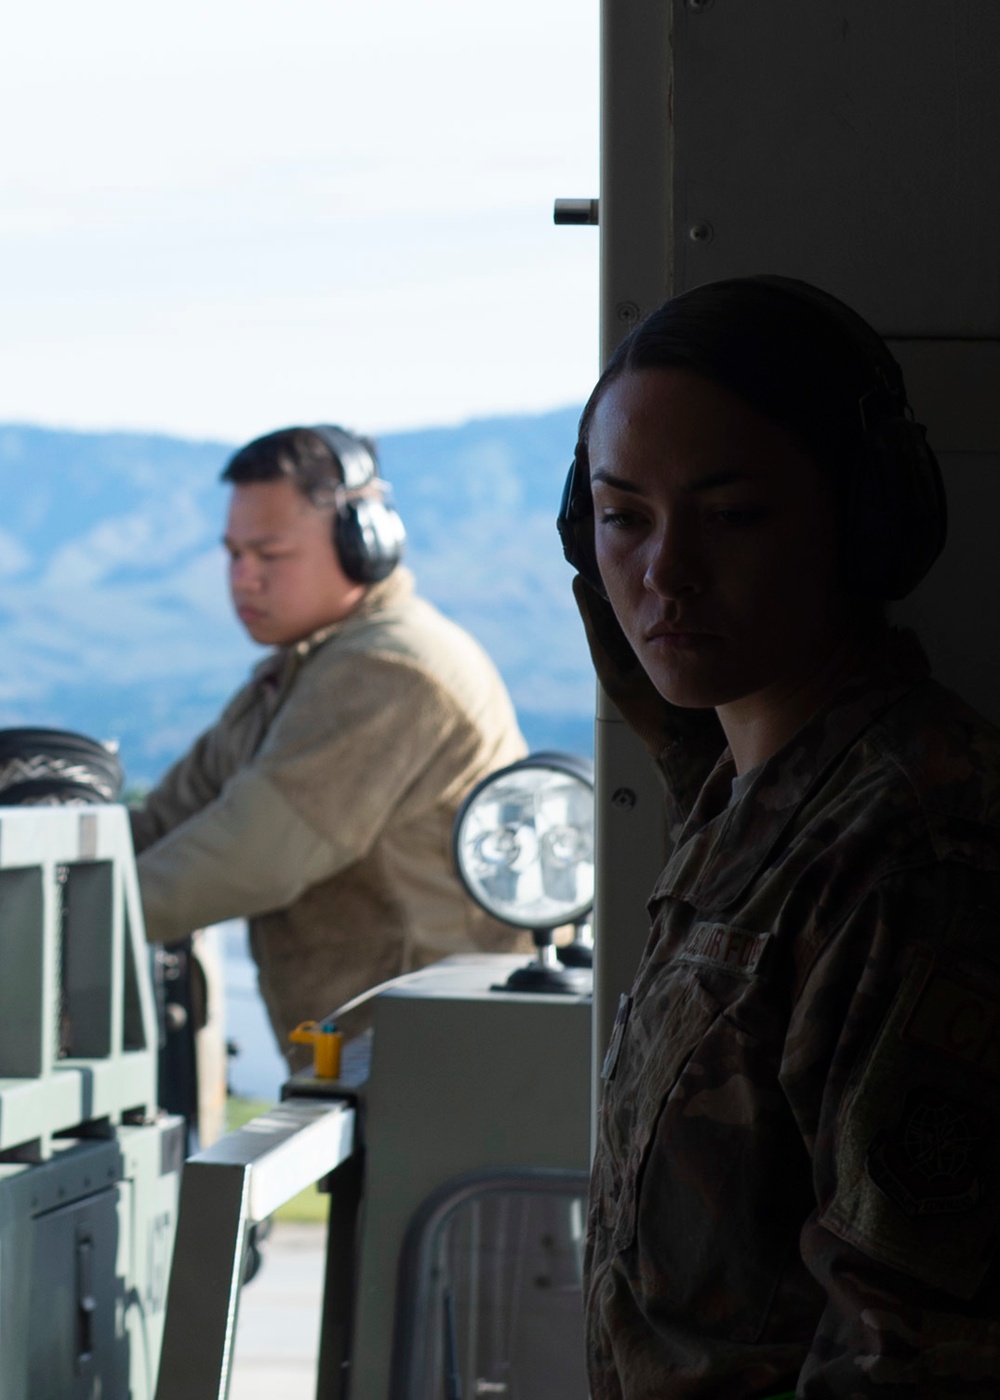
(796, 1189)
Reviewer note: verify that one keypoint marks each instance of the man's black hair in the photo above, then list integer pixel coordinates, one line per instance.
(297, 454)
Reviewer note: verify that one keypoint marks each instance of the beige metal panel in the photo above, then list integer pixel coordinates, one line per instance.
(635, 211)
(954, 389)
(956, 610)
(854, 144)
(635, 221)
(631, 842)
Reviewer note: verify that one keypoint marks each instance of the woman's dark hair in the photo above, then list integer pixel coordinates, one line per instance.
(809, 363)
(796, 355)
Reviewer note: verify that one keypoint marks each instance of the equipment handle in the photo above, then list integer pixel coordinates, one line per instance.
(326, 1042)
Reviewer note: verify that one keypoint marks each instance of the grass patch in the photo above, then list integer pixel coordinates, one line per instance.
(310, 1206)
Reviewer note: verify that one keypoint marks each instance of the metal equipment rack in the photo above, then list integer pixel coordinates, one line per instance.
(89, 1170)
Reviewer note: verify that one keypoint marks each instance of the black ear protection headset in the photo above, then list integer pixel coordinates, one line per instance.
(368, 533)
(896, 515)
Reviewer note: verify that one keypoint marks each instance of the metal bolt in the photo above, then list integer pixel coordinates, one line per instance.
(628, 312)
(701, 232)
(175, 1016)
(623, 798)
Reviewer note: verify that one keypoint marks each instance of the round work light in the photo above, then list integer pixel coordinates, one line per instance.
(524, 850)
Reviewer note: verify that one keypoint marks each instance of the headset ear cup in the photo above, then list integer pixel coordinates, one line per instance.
(575, 524)
(924, 506)
(899, 518)
(368, 534)
(369, 538)
(586, 553)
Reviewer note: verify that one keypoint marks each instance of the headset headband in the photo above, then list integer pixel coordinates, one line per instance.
(357, 465)
(865, 346)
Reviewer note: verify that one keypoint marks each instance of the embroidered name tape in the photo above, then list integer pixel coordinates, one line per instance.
(721, 945)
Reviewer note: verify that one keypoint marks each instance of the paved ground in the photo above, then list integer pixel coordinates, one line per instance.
(277, 1337)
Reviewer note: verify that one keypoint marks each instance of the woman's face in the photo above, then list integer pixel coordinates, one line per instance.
(716, 539)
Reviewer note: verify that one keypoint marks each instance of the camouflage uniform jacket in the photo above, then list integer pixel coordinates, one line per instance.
(797, 1182)
(320, 807)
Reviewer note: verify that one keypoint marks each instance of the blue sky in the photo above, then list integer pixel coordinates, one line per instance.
(223, 216)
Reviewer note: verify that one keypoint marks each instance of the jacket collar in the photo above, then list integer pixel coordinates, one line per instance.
(279, 664)
(721, 847)
(376, 598)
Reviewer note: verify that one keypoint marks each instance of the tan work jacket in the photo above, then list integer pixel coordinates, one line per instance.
(320, 807)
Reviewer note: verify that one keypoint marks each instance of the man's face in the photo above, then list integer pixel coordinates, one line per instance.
(716, 539)
(284, 575)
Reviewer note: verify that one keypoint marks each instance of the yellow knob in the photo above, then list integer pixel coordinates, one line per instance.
(326, 1042)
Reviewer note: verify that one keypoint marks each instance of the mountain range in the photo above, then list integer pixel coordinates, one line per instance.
(114, 614)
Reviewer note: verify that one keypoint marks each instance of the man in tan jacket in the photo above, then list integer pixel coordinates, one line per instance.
(319, 806)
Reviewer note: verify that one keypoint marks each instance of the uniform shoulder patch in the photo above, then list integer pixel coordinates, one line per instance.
(957, 1018)
(930, 1161)
(917, 1143)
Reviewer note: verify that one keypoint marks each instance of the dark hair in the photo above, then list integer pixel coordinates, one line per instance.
(298, 454)
(795, 354)
(810, 364)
